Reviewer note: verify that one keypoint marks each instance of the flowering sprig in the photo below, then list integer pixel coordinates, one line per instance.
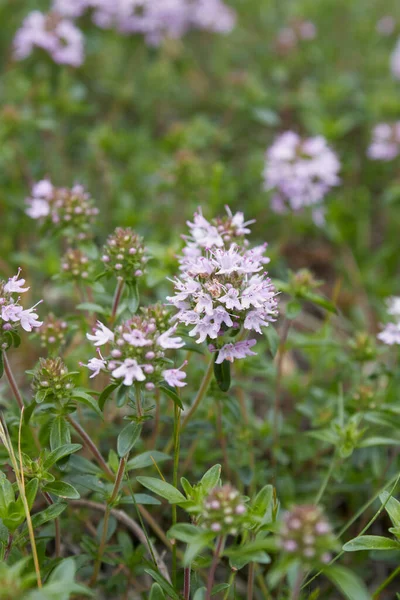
(69, 210)
(12, 313)
(306, 535)
(223, 288)
(224, 511)
(53, 333)
(137, 350)
(300, 172)
(53, 33)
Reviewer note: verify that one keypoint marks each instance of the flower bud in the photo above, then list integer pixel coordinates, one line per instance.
(224, 511)
(124, 253)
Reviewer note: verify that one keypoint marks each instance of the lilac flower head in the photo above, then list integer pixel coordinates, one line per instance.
(385, 144)
(137, 349)
(70, 210)
(224, 511)
(53, 33)
(222, 288)
(53, 333)
(12, 314)
(306, 534)
(75, 265)
(300, 172)
(390, 334)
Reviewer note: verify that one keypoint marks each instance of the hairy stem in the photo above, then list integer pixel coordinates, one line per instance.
(250, 582)
(213, 568)
(103, 541)
(90, 445)
(201, 393)
(186, 584)
(11, 380)
(8, 547)
(177, 419)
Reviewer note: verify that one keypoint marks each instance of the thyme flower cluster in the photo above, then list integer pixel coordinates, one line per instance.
(391, 332)
(300, 172)
(59, 208)
(385, 144)
(137, 350)
(223, 511)
(52, 380)
(306, 534)
(57, 34)
(53, 333)
(223, 290)
(12, 313)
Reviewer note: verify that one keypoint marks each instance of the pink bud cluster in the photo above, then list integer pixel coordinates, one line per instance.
(391, 332)
(69, 209)
(124, 254)
(137, 350)
(224, 511)
(223, 290)
(385, 144)
(306, 534)
(12, 314)
(53, 332)
(54, 34)
(75, 265)
(297, 31)
(300, 172)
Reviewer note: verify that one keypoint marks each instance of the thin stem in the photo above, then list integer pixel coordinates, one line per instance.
(325, 481)
(103, 541)
(201, 393)
(385, 583)
(9, 546)
(116, 300)
(222, 441)
(186, 583)
(11, 380)
(250, 582)
(56, 527)
(213, 568)
(90, 445)
(126, 520)
(177, 419)
(279, 364)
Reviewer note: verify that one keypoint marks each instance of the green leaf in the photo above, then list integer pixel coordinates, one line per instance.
(163, 489)
(91, 307)
(272, 338)
(392, 507)
(211, 478)
(222, 373)
(347, 582)
(134, 298)
(48, 514)
(84, 398)
(128, 438)
(163, 583)
(184, 532)
(62, 489)
(31, 489)
(6, 494)
(371, 542)
(146, 459)
(320, 301)
(196, 545)
(1, 365)
(268, 543)
(156, 592)
(262, 504)
(59, 453)
(106, 393)
(200, 594)
(378, 441)
(171, 393)
(60, 434)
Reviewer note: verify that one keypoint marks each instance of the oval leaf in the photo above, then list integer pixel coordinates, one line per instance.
(128, 438)
(163, 489)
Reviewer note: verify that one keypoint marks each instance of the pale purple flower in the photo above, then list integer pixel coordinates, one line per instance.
(395, 61)
(29, 319)
(390, 334)
(235, 351)
(15, 285)
(11, 312)
(72, 8)
(175, 377)
(96, 365)
(130, 371)
(385, 144)
(299, 171)
(393, 306)
(168, 340)
(101, 335)
(54, 34)
(38, 208)
(137, 338)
